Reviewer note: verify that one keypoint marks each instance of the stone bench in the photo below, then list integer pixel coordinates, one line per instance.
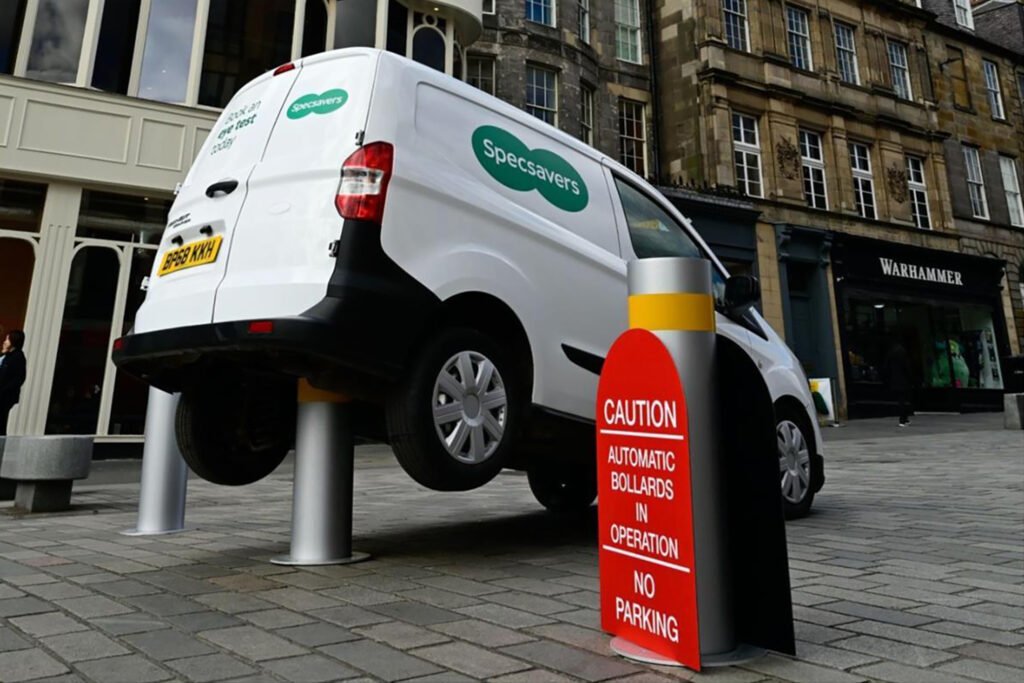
(1013, 411)
(44, 467)
(6, 485)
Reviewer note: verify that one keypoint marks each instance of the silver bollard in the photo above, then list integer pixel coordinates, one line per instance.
(322, 483)
(673, 298)
(164, 472)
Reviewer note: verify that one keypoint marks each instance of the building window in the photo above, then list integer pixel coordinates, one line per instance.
(964, 17)
(846, 54)
(632, 136)
(975, 183)
(540, 11)
(863, 183)
(586, 114)
(995, 93)
(899, 73)
(12, 15)
(799, 32)
(918, 193)
(1011, 185)
(746, 154)
(542, 94)
(813, 162)
(957, 71)
(627, 30)
(243, 40)
(57, 40)
(488, 7)
(737, 32)
(584, 20)
(480, 72)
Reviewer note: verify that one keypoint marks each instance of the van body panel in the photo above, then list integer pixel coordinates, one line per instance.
(455, 228)
(280, 259)
(230, 153)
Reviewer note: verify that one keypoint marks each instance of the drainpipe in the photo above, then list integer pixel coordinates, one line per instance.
(655, 115)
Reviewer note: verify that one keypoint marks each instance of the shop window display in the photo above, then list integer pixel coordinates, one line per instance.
(950, 346)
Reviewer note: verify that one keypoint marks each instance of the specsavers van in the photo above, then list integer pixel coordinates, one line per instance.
(454, 265)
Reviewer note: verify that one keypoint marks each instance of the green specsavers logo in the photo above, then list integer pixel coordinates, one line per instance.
(516, 166)
(329, 101)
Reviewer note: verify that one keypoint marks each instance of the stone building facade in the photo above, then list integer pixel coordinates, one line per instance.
(594, 76)
(835, 118)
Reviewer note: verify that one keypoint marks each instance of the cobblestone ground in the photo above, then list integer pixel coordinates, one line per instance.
(911, 569)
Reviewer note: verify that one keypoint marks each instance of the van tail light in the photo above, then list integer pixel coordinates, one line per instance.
(260, 327)
(119, 343)
(364, 182)
(284, 68)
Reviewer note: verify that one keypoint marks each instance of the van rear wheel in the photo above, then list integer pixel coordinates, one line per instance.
(453, 422)
(235, 431)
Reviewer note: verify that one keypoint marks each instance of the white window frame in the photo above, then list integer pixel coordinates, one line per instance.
(993, 89)
(554, 93)
(553, 16)
(849, 50)
(482, 58)
(90, 43)
(487, 3)
(623, 103)
(899, 69)
(1011, 186)
(918, 190)
(738, 10)
(964, 14)
(975, 177)
(804, 38)
(813, 168)
(863, 180)
(583, 20)
(587, 113)
(750, 150)
(631, 32)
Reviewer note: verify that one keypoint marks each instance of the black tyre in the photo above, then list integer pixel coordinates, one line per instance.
(453, 423)
(795, 443)
(236, 431)
(562, 486)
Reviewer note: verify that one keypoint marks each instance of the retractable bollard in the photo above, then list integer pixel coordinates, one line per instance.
(323, 481)
(665, 564)
(164, 472)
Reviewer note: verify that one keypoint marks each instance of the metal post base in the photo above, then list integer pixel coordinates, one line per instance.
(742, 654)
(164, 472)
(322, 489)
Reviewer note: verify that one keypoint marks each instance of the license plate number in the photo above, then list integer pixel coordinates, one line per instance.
(190, 255)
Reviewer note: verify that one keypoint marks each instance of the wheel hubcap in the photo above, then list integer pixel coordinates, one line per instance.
(470, 407)
(794, 461)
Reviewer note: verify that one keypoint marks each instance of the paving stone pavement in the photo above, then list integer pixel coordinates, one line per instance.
(910, 569)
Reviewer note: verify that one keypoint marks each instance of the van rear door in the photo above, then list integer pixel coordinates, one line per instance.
(195, 248)
(281, 261)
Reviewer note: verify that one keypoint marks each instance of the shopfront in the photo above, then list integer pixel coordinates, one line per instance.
(944, 308)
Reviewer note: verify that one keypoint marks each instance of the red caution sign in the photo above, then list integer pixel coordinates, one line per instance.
(645, 517)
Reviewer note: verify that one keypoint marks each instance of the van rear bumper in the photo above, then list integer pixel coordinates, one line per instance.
(299, 346)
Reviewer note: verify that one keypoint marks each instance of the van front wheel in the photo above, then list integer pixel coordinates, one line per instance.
(563, 487)
(452, 423)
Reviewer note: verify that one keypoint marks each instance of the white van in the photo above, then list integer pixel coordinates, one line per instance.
(451, 263)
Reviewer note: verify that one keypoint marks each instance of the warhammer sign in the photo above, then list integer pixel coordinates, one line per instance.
(648, 588)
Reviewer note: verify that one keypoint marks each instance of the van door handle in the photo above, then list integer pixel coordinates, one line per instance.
(221, 188)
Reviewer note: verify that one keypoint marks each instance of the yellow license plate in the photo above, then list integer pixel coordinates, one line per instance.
(190, 255)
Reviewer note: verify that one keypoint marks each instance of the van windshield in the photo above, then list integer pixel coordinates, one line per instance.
(654, 233)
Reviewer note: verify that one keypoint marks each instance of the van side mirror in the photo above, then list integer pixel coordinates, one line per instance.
(741, 292)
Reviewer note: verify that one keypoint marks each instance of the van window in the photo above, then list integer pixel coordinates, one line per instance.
(652, 231)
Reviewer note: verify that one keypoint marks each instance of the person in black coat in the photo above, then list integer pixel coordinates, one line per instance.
(897, 374)
(12, 374)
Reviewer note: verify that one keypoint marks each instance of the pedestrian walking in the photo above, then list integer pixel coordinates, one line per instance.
(12, 374)
(897, 374)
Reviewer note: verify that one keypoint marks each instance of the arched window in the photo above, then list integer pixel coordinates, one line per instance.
(428, 40)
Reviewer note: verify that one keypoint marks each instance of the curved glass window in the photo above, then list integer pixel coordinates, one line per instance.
(428, 48)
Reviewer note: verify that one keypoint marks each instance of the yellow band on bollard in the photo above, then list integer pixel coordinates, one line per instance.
(678, 311)
(310, 394)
